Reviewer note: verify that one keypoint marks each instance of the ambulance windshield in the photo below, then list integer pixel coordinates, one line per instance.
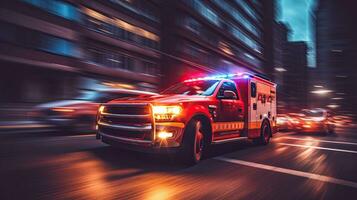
(201, 87)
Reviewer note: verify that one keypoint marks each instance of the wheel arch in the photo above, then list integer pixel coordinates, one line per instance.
(268, 121)
(207, 124)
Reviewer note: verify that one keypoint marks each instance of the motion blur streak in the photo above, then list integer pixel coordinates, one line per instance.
(316, 147)
(59, 166)
(291, 172)
(61, 60)
(80, 169)
(315, 140)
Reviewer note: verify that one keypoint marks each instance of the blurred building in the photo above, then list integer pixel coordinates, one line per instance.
(281, 33)
(290, 70)
(49, 49)
(269, 10)
(213, 36)
(336, 51)
(294, 90)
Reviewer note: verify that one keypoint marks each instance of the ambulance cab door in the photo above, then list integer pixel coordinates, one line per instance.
(253, 109)
(228, 107)
(229, 111)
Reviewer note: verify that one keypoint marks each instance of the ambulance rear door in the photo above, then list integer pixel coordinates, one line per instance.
(252, 110)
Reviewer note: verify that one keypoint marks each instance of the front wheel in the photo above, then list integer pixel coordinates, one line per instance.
(193, 142)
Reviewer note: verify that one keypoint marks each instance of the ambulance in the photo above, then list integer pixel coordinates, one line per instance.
(191, 115)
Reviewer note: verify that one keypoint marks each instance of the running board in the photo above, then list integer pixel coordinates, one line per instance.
(229, 140)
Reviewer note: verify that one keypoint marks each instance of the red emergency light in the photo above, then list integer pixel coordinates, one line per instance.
(239, 75)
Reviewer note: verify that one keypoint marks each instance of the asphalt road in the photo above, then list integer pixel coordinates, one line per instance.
(293, 166)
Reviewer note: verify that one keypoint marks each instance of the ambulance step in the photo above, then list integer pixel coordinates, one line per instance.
(229, 140)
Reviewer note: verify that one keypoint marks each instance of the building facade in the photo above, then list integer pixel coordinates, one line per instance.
(294, 90)
(281, 33)
(212, 36)
(51, 48)
(336, 52)
(290, 70)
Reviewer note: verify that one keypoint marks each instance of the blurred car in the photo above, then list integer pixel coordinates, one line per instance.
(342, 120)
(284, 122)
(296, 120)
(317, 121)
(79, 113)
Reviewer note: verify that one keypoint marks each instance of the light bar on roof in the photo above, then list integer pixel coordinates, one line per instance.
(244, 75)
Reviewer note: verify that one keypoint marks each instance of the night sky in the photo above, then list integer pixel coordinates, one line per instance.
(296, 13)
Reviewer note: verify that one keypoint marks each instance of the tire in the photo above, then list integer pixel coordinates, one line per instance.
(193, 142)
(265, 134)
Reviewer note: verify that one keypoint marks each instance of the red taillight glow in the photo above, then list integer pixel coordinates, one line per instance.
(295, 122)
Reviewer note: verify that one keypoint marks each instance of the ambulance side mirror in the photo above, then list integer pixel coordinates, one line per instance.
(228, 94)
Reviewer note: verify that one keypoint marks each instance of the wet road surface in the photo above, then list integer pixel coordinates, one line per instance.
(293, 166)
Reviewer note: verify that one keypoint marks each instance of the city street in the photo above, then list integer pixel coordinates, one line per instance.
(159, 75)
(293, 166)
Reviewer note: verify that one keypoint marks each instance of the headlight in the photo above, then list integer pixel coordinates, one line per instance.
(101, 109)
(166, 112)
(175, 110)
(164, 135)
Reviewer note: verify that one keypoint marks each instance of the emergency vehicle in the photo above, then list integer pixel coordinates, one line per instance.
(191, 115)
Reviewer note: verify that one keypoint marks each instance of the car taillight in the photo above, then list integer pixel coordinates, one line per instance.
(295, 121)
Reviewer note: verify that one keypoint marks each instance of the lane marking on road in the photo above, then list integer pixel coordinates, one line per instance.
(308, 175)
(317, 147)
(315, 140)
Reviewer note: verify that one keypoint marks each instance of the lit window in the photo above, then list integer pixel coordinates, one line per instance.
(120, 29)
(204, 10)
(140, 7)
(57, 7)
(248, 9)
(38, 40)
(239, 17)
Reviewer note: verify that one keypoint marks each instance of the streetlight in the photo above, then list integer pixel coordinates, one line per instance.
(280, 69)
(332, 106)
(321, 92)
(337, 98)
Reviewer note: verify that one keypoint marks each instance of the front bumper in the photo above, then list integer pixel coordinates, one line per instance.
(140, 147)
(155, 143)
(133, 125)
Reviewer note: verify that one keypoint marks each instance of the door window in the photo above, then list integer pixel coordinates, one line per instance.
(227, 86)
(253, 89)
